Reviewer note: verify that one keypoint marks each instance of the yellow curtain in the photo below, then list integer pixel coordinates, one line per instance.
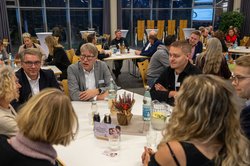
(140, 29)
(160, 27)
(183, 24)
(150, 24)
(171, 27)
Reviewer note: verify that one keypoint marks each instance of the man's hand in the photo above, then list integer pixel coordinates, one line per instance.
(88, 94)
(159, 87)
(137, 52)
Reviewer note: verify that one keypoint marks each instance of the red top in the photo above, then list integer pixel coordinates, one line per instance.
(231, 39)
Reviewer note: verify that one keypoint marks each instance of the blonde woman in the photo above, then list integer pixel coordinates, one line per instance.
(57, 56)
(204, 128)
(27, 43)
(9, 90)
(46, 119)
(212, 61)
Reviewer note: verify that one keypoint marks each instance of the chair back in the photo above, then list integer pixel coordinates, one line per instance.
(140, 29)
(65, 86)
(150, 24)
(160, 27)
(244, 41)
(171, 27)
(70, 53)
(143, 68)
(75, 59)
(183, 24)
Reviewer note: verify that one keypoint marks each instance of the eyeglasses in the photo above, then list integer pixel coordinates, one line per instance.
(88, 57)
(29, 63)
(237, 78)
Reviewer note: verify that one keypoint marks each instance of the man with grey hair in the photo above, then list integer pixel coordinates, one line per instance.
(88, 79)
(31, 77)
(241, 82)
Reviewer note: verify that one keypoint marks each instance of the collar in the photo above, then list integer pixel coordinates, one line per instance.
(248, 102)
(29, 79)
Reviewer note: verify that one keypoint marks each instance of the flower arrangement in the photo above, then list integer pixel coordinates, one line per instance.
(124, 103)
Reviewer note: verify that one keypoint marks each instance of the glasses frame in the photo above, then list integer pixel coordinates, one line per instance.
(237, 78)
(89, 58)
(30, 64)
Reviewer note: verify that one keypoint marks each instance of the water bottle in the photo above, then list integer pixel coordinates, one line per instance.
(146, 107)
(11, 59)
(235, 44)
(112, 92)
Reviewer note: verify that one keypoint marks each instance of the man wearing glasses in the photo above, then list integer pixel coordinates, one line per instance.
(31, 77)
(169, 82)
(241, 83)
(89, 78)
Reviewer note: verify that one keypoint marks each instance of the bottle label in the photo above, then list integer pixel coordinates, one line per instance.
(146, 110)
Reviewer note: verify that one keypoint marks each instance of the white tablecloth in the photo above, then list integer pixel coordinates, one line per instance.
(88, 150)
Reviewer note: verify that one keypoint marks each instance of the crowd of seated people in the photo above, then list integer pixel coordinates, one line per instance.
(171, 68)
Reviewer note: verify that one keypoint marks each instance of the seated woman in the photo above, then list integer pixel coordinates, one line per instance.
(9, 90)
(231, 37)
(204, 128)
(3, 53)
(212, 61)
(28, 43)
(57, 56)
(46, 119)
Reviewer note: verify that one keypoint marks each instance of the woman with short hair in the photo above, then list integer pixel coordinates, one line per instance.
(47, 119)
(9, 90)
(204, 128)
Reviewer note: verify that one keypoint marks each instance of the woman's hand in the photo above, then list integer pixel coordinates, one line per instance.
(145, 157)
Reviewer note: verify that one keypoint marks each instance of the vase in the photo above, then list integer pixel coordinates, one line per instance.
(124, 119)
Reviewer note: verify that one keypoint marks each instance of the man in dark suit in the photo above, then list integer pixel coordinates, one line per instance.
(169, 82)
(31, 77)
(151, 46)
(241, 82)
(197, 46)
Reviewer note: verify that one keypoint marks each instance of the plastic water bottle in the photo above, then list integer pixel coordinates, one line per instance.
(146, 107)
(235, 44)
(112, 92)
(11, 59)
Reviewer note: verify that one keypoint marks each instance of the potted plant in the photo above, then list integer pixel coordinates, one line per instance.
(123, 106)
(232, 18)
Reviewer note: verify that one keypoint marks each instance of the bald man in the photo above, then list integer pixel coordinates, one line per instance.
(151, 46)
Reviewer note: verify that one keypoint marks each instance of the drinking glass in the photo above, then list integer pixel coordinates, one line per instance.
(160, 115)
(114, 142)
(151, 139)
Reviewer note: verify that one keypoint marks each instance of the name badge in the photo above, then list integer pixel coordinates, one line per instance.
(178, 84)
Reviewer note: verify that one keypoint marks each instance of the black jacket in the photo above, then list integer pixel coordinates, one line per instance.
(167, 79)
(47, 79)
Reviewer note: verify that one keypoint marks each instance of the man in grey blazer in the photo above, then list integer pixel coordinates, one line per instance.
(89, 78)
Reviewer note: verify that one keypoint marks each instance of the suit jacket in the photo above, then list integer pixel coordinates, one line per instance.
(245, 121)
(77, 82)
(151, 50)
(47, 79)
(167, 79)
(198, 49)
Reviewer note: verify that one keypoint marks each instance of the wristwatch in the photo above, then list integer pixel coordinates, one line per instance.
(101, 91)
